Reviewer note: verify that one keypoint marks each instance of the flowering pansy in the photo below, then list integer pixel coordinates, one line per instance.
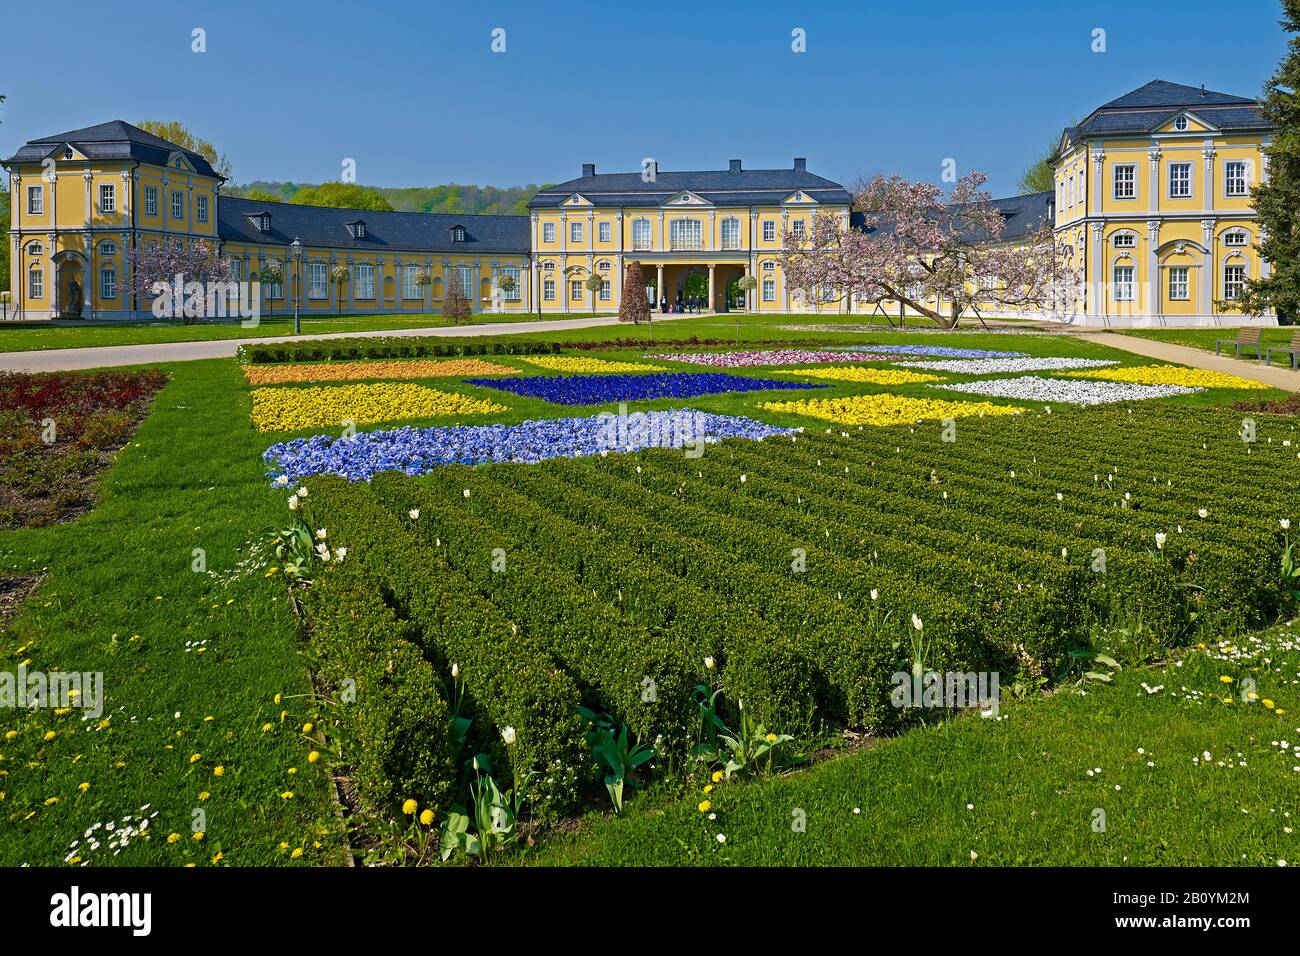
(599, 389)
(1171, 375)
(872, 376)
(569, 363)
(1004, 366)
(771, 357)
(937, 351)
(1037, 389)
(356, 371)
(288, 409)
(418, 450)
(886, 409)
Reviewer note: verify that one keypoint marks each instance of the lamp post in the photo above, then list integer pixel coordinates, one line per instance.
(297, 289)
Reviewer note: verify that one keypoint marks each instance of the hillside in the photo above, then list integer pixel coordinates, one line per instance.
(450, 198)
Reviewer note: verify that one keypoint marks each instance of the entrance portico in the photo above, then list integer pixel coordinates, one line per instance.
(670, 275)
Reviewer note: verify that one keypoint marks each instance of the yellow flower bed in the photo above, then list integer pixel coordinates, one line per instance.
(354, 371)
(288, 409)
(858, 373)
(566, 363)
(887, 409)
(1170, 375)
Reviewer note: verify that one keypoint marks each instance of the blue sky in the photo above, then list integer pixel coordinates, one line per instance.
(412, 91)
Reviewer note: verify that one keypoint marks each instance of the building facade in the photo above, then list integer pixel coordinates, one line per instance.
(1151, 211)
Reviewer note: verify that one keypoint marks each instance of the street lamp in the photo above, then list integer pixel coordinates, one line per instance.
(296, 246)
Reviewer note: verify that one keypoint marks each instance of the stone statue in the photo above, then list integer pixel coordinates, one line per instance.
(73, 309)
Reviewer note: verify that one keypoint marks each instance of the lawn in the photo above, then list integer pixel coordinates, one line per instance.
(1277, 337)
(31, 336)
(620, 569)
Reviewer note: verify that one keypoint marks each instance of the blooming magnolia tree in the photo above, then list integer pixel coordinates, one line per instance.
(939, 255)
(155, 261)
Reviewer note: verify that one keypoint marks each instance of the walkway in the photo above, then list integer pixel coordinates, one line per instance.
(59, 360)
(1279, 376)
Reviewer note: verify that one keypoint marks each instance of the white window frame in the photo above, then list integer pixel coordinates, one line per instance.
(363, 280)
(36, 283)
(151, 200)
(730, 233)
(575, 230)
(575, 290)
(1230, 181)
(318, 280)
(201, 208)
(769, 230)
(108, 248)
(1236, 239)
(686, 234)
(107, 198)
(604, 231)
(36, 200)
(1183, 178)
(1130, 180)
(34, 248)
(1123, 287)
(515, 294)
(606, 291)
(108, 282)
(1180, 283)
(1232, 286)
(1124, 240)
(642, 235)
(769, 290)
(465, 278)
(548, 290)
(178, 204)
(799, 229)
(409, 288)
(548, 232)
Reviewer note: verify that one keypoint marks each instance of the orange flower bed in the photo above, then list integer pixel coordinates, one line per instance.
(355, 371)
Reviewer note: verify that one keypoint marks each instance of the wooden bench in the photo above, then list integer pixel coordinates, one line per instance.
(1293, 350)
(1247, 337)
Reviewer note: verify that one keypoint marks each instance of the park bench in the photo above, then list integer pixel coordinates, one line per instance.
(1293, 350)
(1247, 337)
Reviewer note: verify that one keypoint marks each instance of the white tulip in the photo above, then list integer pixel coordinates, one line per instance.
(1160, 540)
(293, 502)
(508, 735)
(320, 534)
(916, 622)
(1204, 513)
(414, 513)
(708, 663)
(1285, 523)
(874, 594)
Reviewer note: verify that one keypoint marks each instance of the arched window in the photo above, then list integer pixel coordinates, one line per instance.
(604, 265)
(731, 234)
(641, 234)
(108, 248)
(1235, 238)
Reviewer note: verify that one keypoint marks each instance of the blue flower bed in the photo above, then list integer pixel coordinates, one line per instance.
(599, 389)
(944, 350)
(418, 450)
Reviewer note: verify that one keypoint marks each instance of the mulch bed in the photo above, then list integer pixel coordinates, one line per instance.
(1285, 406)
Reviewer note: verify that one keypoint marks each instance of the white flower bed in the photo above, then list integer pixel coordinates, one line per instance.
(1067, 391)
(1002, 366)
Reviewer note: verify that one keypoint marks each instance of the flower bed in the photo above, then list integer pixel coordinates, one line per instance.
(873, 376)
(289, 409)
(773, 357)
(568, 363)
(1037, 389)
(58, 431)
(1171, 375)
(599, 389)
(1005, 366)
(354, 371)
(415, 451)
(912, 329)
(937, 351)
(886, 409)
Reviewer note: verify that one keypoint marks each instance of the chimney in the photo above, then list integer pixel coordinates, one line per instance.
(735, 166)
(1202, 89)
(588, 170)
(800, 164)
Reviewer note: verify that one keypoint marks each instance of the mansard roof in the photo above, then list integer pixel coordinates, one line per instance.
(116, 139)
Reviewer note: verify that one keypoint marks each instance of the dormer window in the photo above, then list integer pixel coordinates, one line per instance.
(67, 152)
(1180, 124)
(262, 221)
(458, 234)
(358, 229)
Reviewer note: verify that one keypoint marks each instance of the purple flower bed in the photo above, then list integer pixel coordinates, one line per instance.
(599, 389)
(419, 450)
(944, 350)
(775, 357)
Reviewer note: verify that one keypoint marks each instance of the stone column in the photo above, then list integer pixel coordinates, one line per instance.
(712, 302)
(1097, 306)
(1209, 268)
(1154, 278)
(659, 287)
(1208, 153)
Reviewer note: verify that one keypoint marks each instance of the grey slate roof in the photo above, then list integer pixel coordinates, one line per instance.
(742, 187)
(385, 231)
(1021, 214)
(116, 139)
(1155, 103)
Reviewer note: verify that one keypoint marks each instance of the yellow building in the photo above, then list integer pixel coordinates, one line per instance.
(1153, 207)
(1151, 210)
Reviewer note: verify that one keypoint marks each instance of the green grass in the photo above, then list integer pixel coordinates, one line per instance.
(1015, 791)
(31, 336)
(120, 598)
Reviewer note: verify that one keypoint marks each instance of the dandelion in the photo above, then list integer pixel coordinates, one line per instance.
(717, 776)
(409, 807)
(704, 806)
(1225, 679)
(426, 817)
(297, 852)
(83, 787)
(313, 756)
(218, 771)
(770, 738)
(286, 795)
(173, 838)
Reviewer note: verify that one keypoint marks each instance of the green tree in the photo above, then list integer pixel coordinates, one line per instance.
(592, 284)
(260, 195)
(342, 196)
(1041, 176)
(176, 132)
(1277, 201)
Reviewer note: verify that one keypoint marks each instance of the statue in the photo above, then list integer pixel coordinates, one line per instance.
(73, 309)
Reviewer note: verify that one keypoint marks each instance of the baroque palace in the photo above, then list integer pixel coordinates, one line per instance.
(1151, 208)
